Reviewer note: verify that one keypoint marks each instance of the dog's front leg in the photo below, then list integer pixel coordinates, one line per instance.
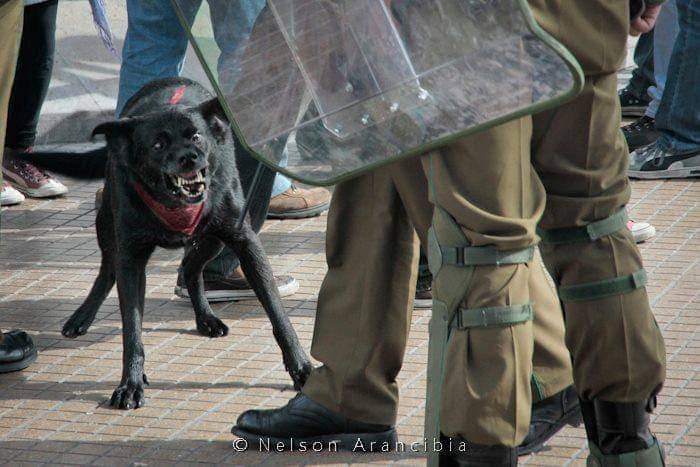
(131, 285)
(201, 252)
(258, 271)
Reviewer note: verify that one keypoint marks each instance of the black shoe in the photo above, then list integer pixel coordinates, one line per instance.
(640, 133)
(459, 452)
(424, 288)
(548, 417)
(303, 422)
(632, 106)
(17, 351)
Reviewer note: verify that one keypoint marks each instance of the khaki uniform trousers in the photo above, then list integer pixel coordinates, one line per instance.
(494, 185)
(11, 14)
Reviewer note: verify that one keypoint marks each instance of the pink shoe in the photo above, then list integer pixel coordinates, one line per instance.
(28, 178)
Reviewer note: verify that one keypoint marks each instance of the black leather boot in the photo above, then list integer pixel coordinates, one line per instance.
(549, 416)
(17, 351)
(619, 436)
(303, 422)
(459, 452)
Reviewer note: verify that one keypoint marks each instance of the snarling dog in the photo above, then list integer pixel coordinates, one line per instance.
(170, 180)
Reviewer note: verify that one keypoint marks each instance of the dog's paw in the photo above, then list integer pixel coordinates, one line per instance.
(77, 325)
(129, 395)
(300, 374)
(211, 326)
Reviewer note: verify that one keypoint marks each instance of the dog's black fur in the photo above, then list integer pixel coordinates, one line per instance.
(155, 143)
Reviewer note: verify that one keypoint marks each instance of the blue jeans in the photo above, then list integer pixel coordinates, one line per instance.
(155, 47)
(678, 118)
(665, 33)
(643, 74)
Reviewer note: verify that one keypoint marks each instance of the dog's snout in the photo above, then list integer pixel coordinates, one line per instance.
(188, 159)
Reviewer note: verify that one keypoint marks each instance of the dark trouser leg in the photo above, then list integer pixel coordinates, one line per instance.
(643, 75)
(34, 67)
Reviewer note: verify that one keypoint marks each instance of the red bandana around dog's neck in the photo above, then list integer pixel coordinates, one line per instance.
(183, 219)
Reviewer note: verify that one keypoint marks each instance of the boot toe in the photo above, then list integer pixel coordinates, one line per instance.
(250, 421)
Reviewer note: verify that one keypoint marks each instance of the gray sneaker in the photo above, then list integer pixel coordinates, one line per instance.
(654, 162)
(231, 289)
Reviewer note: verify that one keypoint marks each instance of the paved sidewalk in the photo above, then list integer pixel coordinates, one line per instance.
(56, 411)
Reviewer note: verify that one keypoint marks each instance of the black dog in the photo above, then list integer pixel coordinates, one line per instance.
(170, 180)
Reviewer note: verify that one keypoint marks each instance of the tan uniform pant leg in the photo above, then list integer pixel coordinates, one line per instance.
(366, 300)
(11, 14)
(364, 306)
(581, 157)
(551, 360)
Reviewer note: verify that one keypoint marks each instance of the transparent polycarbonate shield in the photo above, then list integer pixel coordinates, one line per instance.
(325, 89)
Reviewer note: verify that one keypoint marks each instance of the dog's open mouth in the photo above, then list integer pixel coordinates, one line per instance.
(190, 186)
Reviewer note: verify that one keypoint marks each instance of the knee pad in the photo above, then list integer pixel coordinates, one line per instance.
(452, 262)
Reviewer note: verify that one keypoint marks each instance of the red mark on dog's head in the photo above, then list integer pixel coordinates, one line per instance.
(177, 95)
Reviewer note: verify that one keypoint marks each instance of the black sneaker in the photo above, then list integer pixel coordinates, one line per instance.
(640, 132)
(654, 162)
(632, 106)
(229, 289)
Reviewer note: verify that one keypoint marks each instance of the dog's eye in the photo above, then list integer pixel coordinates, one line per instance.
(196, 138)
(158, 145)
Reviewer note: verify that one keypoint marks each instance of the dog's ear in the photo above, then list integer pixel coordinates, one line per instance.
(213, 113)
(121, 127)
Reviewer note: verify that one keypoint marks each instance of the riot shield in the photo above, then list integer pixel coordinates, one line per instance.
(322, 90)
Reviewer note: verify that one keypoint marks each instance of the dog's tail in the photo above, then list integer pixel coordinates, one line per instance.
(88, 165)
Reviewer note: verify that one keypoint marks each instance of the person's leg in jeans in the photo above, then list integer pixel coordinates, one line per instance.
(643, 130)
(634, 97)
(17, 350)
(233, 22)
(154, 46)
(31, 83)
(676, 152)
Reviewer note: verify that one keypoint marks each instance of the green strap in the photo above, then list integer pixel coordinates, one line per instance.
(491, 316)
(587, 233)
(439, 334)
(536, 388)
(460, 255)
(604, 288)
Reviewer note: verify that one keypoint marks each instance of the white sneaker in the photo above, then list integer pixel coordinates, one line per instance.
(10, 196)
(641, 231)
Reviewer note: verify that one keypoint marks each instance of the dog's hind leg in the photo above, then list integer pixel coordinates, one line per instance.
(201, 252)
(80, 321)
(258, 271)
(130, 270)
